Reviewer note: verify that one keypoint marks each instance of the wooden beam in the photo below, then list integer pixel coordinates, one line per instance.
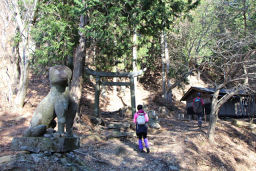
(114, 74)
(116, 83)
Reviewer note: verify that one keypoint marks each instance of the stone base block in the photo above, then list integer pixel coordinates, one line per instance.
(45, 144)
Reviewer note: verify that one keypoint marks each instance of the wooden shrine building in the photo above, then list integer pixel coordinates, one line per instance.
(241, 105)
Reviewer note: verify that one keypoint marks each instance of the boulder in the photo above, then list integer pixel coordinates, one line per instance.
(118, 134)
(119, 125)
(153, 120)
(96, 121)
(154, 125)
(5, 159)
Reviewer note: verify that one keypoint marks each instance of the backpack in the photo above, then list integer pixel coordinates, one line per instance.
(141, 119)
(198, 106)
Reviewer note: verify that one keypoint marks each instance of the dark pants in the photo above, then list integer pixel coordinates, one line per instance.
(141, 131)
(142, 135)
(200, 118)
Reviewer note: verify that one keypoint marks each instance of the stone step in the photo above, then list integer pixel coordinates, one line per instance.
(45, 144)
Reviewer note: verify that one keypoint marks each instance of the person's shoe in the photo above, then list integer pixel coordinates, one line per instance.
(142, 151)
(199, 125)
(148, 150)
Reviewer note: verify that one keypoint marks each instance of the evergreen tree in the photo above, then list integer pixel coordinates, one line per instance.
(56, 32)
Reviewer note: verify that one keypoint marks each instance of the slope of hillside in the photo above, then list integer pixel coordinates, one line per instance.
(178, 145)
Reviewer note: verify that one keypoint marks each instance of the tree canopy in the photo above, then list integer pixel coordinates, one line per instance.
(109, 30)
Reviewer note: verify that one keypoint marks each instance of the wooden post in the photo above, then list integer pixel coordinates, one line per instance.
(132, 89)
(97, 96)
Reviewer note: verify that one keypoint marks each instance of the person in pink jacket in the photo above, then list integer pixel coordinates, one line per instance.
(198, 108)
(140, 119)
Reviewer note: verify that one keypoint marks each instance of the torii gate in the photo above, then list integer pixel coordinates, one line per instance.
(98, 76)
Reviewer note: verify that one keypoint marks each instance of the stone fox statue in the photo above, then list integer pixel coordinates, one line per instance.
(55, 104)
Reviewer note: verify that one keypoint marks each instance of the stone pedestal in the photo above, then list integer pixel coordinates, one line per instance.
(45, 144)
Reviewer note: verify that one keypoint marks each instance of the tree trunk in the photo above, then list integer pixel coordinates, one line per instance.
(133, 100)
(7, 73)
(115, 80)
(134, 62)
(77, 77)
(97, 97)
(216, 105)
(246, 80)
(23, 83)
(244, 17)
(212, 126)
(115, 69)
(163, 66)
(168, 94)
(213, 116)
(24, 48)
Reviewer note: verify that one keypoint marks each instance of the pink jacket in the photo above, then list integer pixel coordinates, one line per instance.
(136, 115)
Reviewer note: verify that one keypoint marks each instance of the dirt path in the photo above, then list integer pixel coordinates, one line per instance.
(167, 151)
(178, 145)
